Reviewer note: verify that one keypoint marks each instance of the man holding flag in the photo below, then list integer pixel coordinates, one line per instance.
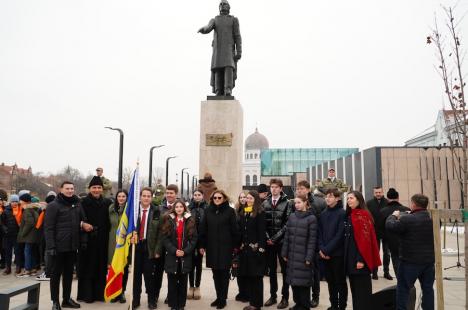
(139, 225)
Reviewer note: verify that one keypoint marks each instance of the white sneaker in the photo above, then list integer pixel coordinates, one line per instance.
(42, 277)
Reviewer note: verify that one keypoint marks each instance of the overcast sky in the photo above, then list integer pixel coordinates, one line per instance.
(313, 74)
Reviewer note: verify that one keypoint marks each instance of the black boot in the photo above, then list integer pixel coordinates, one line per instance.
(70, 303)
(56, 306)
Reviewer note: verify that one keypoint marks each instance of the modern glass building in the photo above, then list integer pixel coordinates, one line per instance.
(283, 162)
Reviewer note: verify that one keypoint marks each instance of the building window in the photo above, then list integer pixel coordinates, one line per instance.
(247, 180)
(256, 155)
(254, 183)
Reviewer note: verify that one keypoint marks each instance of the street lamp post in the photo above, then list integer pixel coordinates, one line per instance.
(167, 169)
(188, 187)
(182, 182)
(120, 154)
(193, 182)
(150, 181)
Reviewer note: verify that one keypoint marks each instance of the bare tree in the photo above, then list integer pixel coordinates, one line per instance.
(127, 177)
(450, 55)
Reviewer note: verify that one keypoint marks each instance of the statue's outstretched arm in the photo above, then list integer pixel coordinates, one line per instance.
(207, 29)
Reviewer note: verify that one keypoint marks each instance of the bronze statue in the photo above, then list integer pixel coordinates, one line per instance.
(227, 50)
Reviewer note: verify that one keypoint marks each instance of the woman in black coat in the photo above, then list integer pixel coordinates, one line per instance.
(219, 235)
(179, 237)
(252, 250)
(299, 251)
(361, 252)
(197, 209)
(243, 295)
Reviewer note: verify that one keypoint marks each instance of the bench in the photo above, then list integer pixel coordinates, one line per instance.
(33, 297)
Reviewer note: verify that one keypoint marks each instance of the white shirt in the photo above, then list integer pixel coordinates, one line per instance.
(146, 221)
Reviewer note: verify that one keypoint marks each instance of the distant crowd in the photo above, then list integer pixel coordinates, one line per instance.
(330, 233)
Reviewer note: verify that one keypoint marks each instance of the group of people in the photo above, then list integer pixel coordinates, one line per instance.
(309, 236)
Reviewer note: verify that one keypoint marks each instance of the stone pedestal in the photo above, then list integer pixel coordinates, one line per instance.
(221, 143)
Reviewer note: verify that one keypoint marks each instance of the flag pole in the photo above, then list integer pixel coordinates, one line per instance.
(132, 269)
(134, 237)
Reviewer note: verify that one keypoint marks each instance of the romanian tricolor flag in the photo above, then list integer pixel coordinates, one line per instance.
(123, 235)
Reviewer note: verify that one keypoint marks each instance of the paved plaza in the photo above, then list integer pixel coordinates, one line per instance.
(454, 289)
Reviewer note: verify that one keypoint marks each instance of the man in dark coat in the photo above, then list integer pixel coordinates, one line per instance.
(375, 205)
(146, 250)
(416, 251)
(227, 50)
(392, 239)
(92, 263)
(277, 210)
(64, 228)
(170, 196)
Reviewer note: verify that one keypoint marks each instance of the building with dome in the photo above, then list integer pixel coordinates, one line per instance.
(251, 168)
(262, 163)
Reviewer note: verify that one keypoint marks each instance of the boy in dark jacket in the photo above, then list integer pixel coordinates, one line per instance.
(331, 242)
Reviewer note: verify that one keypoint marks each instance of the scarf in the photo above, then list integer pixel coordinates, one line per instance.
(18, 214)
(364, 235)
(180, 232)
(248, 210)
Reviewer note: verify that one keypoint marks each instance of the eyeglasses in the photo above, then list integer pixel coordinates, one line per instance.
(217, 197)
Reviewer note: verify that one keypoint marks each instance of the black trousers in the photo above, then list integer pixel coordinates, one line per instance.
(177, 289)
(243, 285)
(196, 272)
(254, 288)
(301, 297)
(316, 279)
(144, 266)
(158, 274)
(62, 266)
(221, 282)
(336, 279)
(386, 256)
(273, 255)
(361, 290)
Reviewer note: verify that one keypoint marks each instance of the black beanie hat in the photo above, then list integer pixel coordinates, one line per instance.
(392, 193)
(262, 188)
(25, 197)
(50, 198)
(95, 181)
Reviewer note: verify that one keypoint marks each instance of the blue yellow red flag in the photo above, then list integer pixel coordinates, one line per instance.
(127, 225)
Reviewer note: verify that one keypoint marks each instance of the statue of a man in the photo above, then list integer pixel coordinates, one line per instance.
(227, 50)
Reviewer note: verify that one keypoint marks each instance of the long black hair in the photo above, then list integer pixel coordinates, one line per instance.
(257, 206)
(362, 203)
(116, 203)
